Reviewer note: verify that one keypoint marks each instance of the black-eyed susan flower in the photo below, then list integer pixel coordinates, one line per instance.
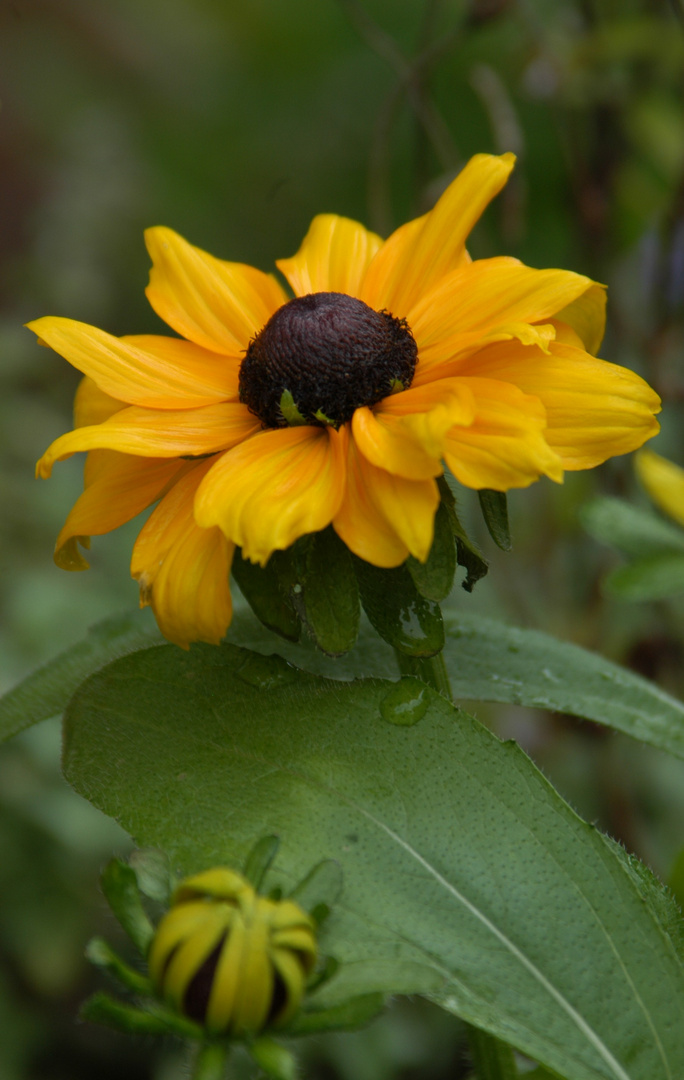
(664, 482)
(272, 417)
(232, 960)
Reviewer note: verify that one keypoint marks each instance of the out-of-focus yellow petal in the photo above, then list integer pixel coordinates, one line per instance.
(219, 305)
(483, 298)
(594, 410)
(587, 317)
(405, 433)
(664, 482)
(120, 488)
(183, 570)
(92, 405)
(420, 253)
(505, 446)
(334, 257)
(144, 369)
(383, 518)
(274, 488)
(158, 433)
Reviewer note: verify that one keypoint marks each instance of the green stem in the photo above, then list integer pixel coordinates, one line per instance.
(493, 1059)
(211, 1061)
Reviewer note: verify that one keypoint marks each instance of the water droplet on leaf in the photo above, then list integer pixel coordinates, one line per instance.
(406, 703)
(266, 672)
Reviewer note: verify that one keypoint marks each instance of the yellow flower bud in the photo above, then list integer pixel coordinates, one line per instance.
(229, 958)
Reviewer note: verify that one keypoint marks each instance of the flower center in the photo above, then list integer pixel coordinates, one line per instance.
(322, 356)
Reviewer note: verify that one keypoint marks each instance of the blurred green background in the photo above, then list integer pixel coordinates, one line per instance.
(235, 123)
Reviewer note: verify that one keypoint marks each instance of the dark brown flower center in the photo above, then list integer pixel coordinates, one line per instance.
(322, 356)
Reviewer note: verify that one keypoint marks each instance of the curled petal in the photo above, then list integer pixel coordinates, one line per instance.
(419, 254)
(92, 405)
(405, 434)
(118, 488)
(157, 433)
(218, 305)
(587, 317)
(505, 446)
(594, 409)
(383, 518)
(334, 257)
(488, 298)
(183, 570)
(664, 482)
(274, 488)
(144, 369)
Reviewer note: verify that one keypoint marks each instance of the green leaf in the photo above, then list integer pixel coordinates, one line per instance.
(262, 589)
(466, 876)
(489, 661)
(494, 508)
(654, 577)
(328, 598)
(467, 554)
(401, 616)
(435, 577)
(355, 1013)
(46, 691)
(633, 531)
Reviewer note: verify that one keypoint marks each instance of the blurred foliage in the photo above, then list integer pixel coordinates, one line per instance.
(235, 124)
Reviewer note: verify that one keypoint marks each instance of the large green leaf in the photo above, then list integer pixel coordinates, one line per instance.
(653, 577)
(489, 661)
(45, 692)
(465, 874)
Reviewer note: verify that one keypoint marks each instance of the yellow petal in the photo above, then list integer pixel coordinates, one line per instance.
(219, 305)
(92, 405)
(587, 317)
(420, 253)
(383, 518)
(117, 491)
(157, 433)
(405, 433)
(594, 410)
(145, 369)
(664, 482)
(183, 570)
(483, 298)
(334, 257)
(274, 488)
(505, 446)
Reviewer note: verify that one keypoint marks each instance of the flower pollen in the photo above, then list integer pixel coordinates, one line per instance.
(322, 356)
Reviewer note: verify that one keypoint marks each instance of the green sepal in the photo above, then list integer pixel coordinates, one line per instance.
(259, 860)
(467, 554)
(320, 888)
(351, 1014)
(494, 507)
(327, 600)
(324, 974)
(153, 874)
(262, 589)
(435, 577)
(323, 419)
(99, 953)
(274, 1059)
(289, 410)
(103, 1009)
(401, 616)
(120, 886)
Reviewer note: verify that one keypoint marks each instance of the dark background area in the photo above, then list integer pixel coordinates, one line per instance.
(234, 124)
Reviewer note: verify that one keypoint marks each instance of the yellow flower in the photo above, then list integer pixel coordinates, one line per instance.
(231, 959)
(663, 481)
(272, 417)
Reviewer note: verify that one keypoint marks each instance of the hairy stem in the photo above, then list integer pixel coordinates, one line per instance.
(211, 1061)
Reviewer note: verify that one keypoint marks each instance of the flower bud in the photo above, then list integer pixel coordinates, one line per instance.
(230, 959)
